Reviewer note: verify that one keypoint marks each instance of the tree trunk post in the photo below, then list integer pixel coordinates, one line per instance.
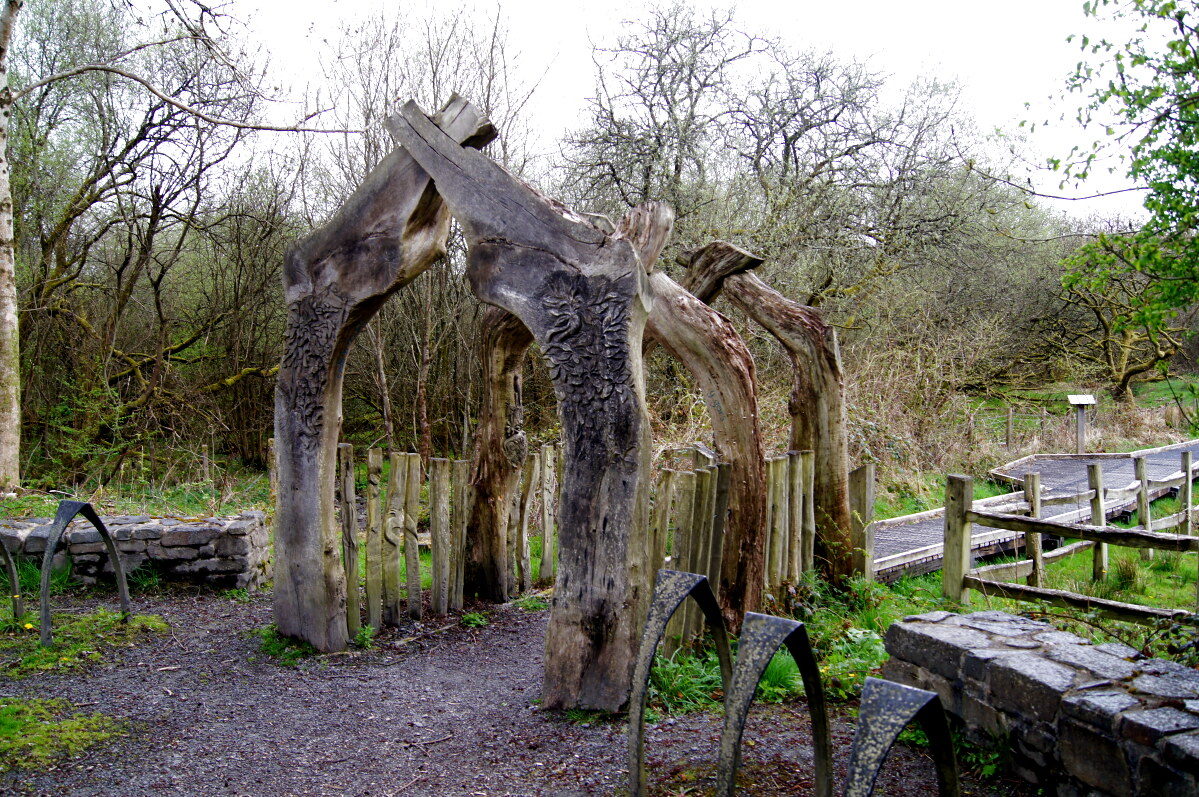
(808, 461)
(10, 347)
(412, 484)
(584, 295)
(955, 563)
(528, 490)
(374, 540)
(685, 490)
(389, 231)
(661, 526)
(779, 522)
(861, 502)
(349, 538)
(549, 478)
(393, 537)
(461, 491)
(439, 534)
(795, 563)
(1098, 518)
(1032, 494)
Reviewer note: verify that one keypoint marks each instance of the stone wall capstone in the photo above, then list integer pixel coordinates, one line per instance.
(1080, 719)
(222, 552)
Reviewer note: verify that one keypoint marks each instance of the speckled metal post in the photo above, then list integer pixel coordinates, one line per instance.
(67, 510)
(761, 636)
(670, 590)
(885, 710)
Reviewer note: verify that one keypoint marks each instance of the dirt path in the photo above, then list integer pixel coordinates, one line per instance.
(452, 712)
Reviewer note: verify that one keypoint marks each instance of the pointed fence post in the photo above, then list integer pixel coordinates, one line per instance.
(808, 458)
(460, 489)
(549, 518)
(349, 537)
(780, 527)
(374, 540)
(528, 489)
(411, 540)
(795, 503)
(685, 490)
(959, 494)
(393, 537)
(661, 528)
(439, 534)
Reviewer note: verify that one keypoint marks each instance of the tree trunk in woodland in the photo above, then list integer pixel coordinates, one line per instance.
(392, 228)
(500, 451)
(709, 346)
(585, 297)
(10, 348)
(384, 389)
(817, 404)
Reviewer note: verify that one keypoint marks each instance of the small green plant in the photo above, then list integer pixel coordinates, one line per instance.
(365, 638)
(34, 733)
(284, 650)
(780, 680)
(582, 716)
(687, 681)
(530, 603)
(474, 620)
(145, 579)
(29, 578)
(1126, 575)
(237, 595)
(985, 761)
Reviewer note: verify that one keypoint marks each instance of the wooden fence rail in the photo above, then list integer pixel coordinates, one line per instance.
(958, 577)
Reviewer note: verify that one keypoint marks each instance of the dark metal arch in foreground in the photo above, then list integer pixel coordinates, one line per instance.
(67, 510)
(14, 583)
(761, 636)
(670, 590)
(886, 709)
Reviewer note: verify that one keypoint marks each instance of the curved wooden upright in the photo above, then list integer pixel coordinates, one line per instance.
(584, 295)
(390, 230)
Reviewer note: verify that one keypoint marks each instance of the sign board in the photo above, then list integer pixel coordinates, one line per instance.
(1081, 399)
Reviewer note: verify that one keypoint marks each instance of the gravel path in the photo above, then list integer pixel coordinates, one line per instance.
(432, 712)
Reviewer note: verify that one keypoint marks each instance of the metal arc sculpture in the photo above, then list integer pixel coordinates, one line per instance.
(761, 637)
(887, 708)
(670, 590)
(67, 510)
(14, 583)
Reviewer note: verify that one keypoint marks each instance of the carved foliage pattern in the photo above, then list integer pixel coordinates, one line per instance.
(313, 324)
(586, 342)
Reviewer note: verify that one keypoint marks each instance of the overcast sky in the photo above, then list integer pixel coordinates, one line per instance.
(1003, 55)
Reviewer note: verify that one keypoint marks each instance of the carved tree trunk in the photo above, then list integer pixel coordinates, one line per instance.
(708, 345)
(392, 228)
(817, 405)
(585, 296)
(500, 451)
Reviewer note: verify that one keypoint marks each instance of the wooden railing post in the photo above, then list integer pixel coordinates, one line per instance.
(1032, 540)
(1009, 438)
(861, 515)
(776, 474)
(680, 549)
(808, 458)
(349, 536)
(393, 536)
(959, 497)
(723, 476)
(460, 490)
(1144, 518)
(660, 529)
(374, 540)
(1186, 496)
(1098, 518)
(528, 489)
(549, 520)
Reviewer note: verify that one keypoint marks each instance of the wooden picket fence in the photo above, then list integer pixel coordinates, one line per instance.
(688, 516)
(443, 494)
(958, 577)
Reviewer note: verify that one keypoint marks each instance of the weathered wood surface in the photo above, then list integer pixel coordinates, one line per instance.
(861, 502)
(389, 230)
(528, 491)
(549, 530)
(1098, 518)
(1126, 538)
(374, 540)
(393, 537)
(412, 484)
(460, 489)
(710, 347)
(795, 512)
(1032, 492)
(349, 536)
(817, 405)
(959, 494)
(584, 295)
(439, 534)
(500, 451)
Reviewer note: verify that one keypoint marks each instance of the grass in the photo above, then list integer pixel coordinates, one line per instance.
(79, 640)
(284, 651)
(474, 620)
(36, 733)
(924, 493)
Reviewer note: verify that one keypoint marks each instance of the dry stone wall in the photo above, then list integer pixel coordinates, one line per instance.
(1081, 719)
(222, 552)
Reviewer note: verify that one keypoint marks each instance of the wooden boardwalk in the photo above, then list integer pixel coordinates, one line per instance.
(912, 545)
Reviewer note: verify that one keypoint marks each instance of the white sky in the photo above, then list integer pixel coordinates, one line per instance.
(1003, 55)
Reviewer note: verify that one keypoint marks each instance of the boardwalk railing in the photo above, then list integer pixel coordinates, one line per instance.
(958, 577)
